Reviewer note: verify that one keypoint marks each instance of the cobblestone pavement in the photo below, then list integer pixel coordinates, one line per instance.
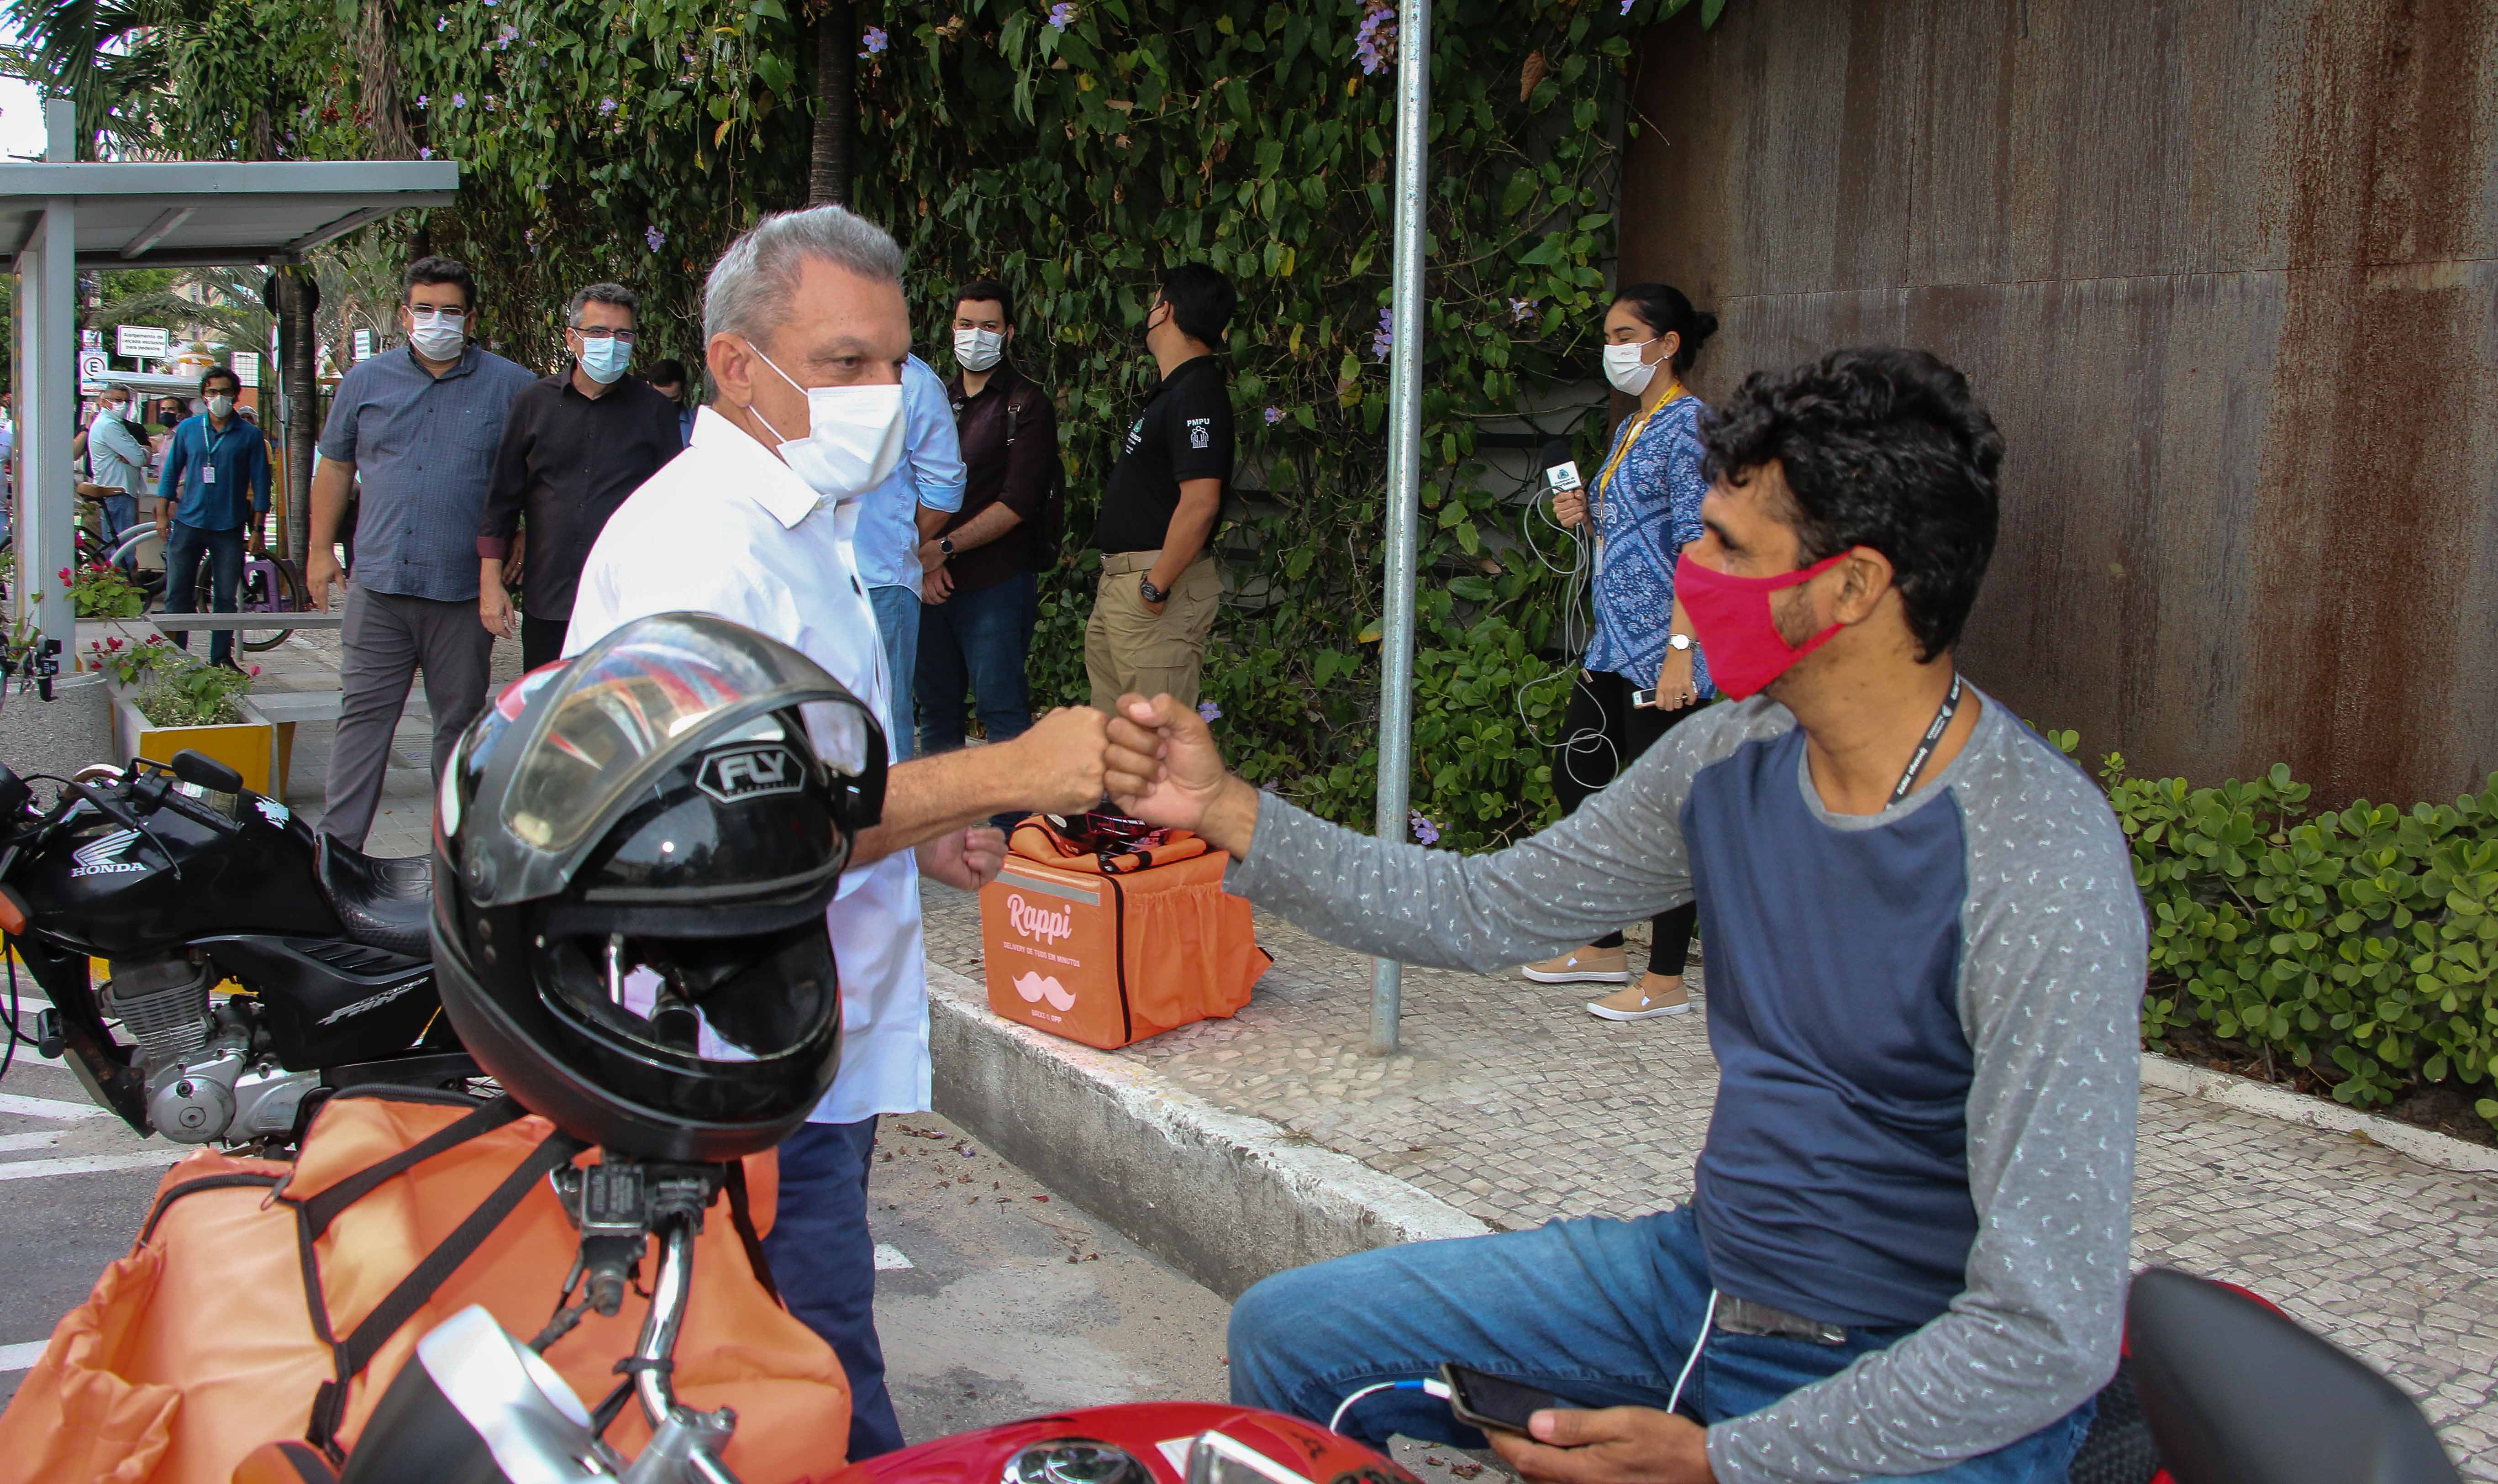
(1511, 1102)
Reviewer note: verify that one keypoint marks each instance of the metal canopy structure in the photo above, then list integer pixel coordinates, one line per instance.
(58, 216)
(204, 213)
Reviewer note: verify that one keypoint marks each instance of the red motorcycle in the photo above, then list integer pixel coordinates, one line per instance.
(2217, 1387)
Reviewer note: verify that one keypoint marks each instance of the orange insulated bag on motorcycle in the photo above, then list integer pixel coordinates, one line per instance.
(1106, 947)
(256, 1286)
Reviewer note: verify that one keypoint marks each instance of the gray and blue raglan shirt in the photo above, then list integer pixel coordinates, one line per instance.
(1925, 1028)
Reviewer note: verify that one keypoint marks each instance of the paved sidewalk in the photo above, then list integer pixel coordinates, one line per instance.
(1511, 1102)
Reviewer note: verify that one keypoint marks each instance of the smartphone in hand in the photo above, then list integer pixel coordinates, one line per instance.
(1495, 1403)
(1647, 698)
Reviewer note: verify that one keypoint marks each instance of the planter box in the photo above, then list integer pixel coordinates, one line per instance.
(249, 746)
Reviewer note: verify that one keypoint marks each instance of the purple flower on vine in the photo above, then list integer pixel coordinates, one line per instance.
(425, 151)
(1209, 712)
(606, 106)
(654, 237)
(422, 101)
(1383, 339)
(1062, 14)
(529, 237)
(1424, 831)
(874, 42)
(442, 22)
(1372, 43)
(1274, 415)
(1626, 5)
(459, 100)
(504, 37)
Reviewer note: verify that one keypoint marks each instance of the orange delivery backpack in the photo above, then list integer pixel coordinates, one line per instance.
(1107, 931)
(267, 1300)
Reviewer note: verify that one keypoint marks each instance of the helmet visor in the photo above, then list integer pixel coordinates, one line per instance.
(598, 735)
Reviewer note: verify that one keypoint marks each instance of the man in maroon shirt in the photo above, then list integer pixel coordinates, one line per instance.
(983, 566)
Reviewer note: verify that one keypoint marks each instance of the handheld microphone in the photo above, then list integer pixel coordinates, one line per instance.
(1561, 470)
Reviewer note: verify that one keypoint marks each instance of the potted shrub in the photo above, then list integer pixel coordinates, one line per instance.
(166, 700)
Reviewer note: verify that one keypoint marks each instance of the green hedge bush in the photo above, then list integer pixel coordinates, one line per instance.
(2360, 942)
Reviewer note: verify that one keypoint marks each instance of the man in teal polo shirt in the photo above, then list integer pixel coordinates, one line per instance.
(208, 500)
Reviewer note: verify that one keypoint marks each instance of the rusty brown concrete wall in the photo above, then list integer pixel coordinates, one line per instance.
(2227, 272)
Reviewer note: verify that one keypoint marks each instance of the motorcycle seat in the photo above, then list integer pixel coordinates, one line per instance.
(384, 902)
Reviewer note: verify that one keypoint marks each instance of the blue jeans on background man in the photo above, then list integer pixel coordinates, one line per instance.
(897, 623)
(185, 547)
(823, 1261)
(120, 513)
(979, 640)
(1596, 1310)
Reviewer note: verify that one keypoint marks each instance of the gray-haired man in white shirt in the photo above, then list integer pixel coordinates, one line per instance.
(806, 332)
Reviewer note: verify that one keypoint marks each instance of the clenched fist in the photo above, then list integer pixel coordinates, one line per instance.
(1058, 764)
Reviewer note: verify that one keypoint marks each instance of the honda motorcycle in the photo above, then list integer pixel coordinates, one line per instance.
(183, 880)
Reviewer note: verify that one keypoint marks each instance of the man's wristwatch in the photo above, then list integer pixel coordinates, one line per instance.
(1677, 641)
(946, 544)
(1153, 595)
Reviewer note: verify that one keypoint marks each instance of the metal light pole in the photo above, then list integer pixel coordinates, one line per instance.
(1404, 471)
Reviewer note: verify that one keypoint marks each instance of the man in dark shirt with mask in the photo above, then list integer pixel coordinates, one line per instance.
(1159, 586)
(574, 446)
(983, 566)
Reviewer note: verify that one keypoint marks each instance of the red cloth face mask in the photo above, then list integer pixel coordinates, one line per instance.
(1731, 619)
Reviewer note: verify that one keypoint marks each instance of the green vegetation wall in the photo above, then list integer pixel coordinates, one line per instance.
(1072, 150)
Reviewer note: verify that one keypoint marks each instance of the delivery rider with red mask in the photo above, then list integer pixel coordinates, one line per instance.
(1904, 1252)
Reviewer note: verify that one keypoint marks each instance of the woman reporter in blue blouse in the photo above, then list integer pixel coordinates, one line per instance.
(1645, 507)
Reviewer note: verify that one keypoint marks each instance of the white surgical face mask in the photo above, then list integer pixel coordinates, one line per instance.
(116, 409)
(1623, 368)
(222, 407)
(437, 333)
(603, 360)
(977, 350)
(854, 435)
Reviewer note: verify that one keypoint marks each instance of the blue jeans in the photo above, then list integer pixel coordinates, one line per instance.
(897, 623)
(824, 1262)
(1597, 1311)
(120, 513)
(977, 640)
(185, 549)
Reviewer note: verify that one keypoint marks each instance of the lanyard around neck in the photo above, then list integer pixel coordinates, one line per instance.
(1638, 425)
(1926, 746)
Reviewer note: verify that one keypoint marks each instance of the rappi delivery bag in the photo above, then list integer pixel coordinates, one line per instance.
(1105, 931)
(403, 1208)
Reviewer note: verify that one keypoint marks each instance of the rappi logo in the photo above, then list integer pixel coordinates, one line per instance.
(1036, 988)
(1044, 923)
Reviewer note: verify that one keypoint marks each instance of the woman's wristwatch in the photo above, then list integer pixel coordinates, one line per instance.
(1679, 641)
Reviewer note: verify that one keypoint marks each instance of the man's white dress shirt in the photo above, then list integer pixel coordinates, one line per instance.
(727, 528)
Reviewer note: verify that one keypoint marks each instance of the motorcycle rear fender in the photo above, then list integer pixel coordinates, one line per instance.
(101, 1067)
(326, 1001)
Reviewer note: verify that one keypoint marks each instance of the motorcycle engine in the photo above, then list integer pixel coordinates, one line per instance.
(201, 1084)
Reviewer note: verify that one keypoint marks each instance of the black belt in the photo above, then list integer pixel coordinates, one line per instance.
(1744, 1316)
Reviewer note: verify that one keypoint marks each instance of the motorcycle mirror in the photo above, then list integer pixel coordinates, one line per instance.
(2237, 1393)
(14, 792)
(201, 771)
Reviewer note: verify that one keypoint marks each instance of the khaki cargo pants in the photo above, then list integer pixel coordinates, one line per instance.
(1129, 646)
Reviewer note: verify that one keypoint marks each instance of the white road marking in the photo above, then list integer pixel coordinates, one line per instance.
(889, 1258)
(22, 1357)
(88, 1164)
(11, 1143)
(49, 1107)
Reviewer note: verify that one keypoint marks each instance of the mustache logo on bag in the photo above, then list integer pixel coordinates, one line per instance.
(1036, 988)
(1040, 921)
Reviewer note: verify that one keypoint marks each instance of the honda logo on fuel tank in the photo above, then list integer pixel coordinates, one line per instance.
(739, 774)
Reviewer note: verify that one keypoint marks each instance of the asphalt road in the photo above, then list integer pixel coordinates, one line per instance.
(997, 1299)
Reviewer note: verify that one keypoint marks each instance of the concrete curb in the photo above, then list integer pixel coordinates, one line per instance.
(2430, 1148)
(1227, 1198)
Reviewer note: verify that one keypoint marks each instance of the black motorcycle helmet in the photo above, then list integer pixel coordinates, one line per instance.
(632, 855)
